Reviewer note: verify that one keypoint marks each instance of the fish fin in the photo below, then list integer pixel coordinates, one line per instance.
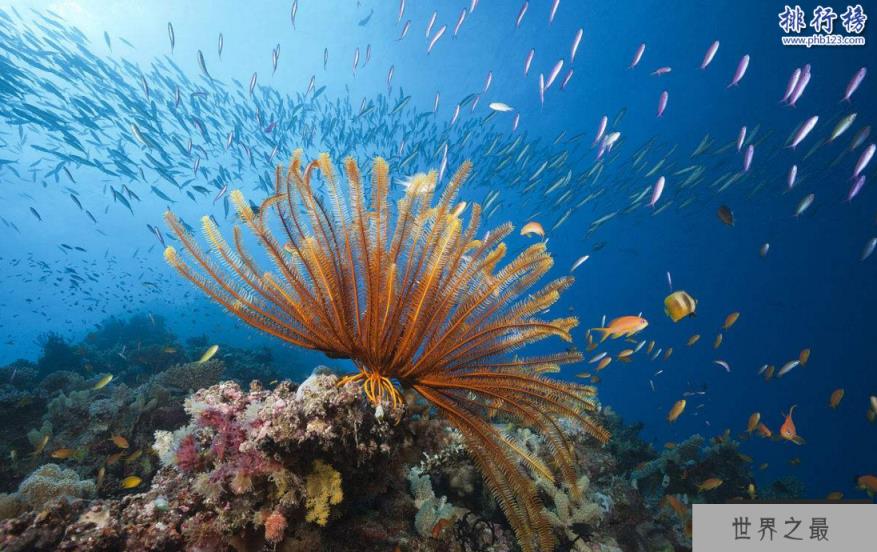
(798, 440)
(605, 333)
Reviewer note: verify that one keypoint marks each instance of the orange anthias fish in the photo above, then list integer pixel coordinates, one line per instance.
(676, 411)
(788, 431)
(710, 484)
(623, 326)
(533, 228)
(867, 483)
(804, 356)
(62, 453)
(836, 396)
(754, 419)
(676, 505)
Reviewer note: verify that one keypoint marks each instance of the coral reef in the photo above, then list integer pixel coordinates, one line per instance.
(682, 469)
(152, 375)
(315, 467)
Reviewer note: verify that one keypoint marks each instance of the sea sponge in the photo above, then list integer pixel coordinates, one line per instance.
(323, 487)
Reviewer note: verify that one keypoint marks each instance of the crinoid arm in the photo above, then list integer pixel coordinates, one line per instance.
(416, 298)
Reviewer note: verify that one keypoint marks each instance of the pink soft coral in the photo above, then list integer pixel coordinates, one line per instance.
(229, 433)
(188, 457)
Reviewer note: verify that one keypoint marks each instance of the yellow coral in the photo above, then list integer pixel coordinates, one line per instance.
(323, 486)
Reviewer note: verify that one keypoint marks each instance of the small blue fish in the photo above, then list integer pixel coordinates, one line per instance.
(203, 65)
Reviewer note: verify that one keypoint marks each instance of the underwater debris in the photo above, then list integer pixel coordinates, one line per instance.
(444, 319)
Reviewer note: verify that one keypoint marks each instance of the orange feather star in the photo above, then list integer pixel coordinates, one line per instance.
(417, 302)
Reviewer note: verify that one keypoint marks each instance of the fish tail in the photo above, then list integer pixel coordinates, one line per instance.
(605, 333)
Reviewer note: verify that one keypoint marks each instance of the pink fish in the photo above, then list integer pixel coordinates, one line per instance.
(431, 23)
(459, 22)
(404, 30)
(541, 89)
(473, 5)
(793, 82)
(856, 187)
(747, 157)
(638, 55)
(438, 35)
(741, 138)
(661, 71)
(800, 86)
(600, 130)
(529, 61)
(553, 74)
(741, 70)
(401, 10)
(793, 174)
(803, 131)
(710, 54)
(657, 191)
(521, 14)
(566, 80)
(554, 7)
(575, 45)
(854, 83)
(864, 159)
(662, 102)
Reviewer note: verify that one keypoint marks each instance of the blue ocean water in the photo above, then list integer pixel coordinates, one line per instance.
(810, 291)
